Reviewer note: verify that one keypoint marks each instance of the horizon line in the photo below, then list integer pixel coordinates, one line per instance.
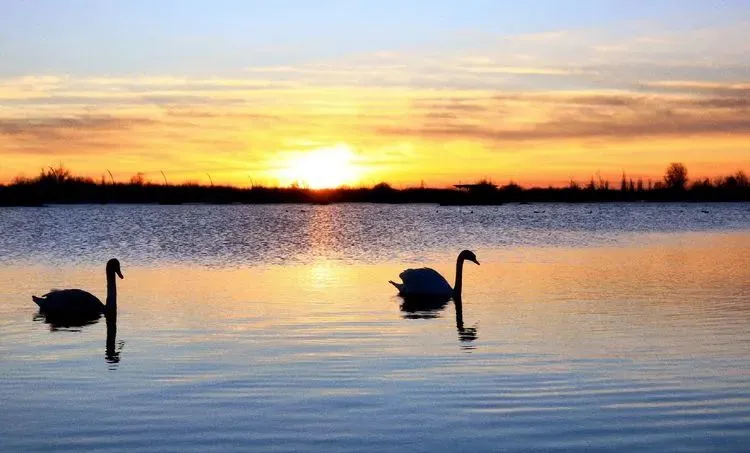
(595, 179)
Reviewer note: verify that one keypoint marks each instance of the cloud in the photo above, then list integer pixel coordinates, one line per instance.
(58, 128)
(202, 117)
(725, 89)
(519, 117)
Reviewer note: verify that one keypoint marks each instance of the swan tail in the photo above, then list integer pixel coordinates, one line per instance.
(399, 286)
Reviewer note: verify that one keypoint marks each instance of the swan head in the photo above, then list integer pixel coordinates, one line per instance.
(113, 267)
(468, 255)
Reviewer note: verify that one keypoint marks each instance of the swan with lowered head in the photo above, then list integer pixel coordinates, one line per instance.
(426, 283)
(80, 303)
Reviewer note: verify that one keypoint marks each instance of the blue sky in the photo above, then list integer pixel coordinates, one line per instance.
(215, 37)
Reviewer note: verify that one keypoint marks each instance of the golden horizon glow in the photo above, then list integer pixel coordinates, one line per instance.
(321, 168)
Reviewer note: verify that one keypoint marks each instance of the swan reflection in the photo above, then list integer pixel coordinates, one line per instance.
(465, 334)
(421, 308)
(68, 323)
(65, 322)
(113, 348)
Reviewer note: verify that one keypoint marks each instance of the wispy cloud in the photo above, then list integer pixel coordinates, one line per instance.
(736, 92)
(54, 128)
(510, 117)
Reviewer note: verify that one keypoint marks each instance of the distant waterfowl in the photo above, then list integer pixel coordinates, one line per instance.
(77, 303)
(426, 283)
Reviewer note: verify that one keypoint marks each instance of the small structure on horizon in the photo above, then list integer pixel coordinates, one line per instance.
(482, 186)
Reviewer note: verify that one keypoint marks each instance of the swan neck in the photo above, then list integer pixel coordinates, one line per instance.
(111, 291)
(459, 278)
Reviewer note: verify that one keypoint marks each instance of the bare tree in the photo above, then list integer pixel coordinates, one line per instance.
(742, 180)
(138, 179)
(676, 176)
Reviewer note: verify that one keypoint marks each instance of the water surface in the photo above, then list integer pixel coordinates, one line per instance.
(587, 327)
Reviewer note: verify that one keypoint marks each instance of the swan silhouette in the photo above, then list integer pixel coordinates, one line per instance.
(80, 304)
(428, 285)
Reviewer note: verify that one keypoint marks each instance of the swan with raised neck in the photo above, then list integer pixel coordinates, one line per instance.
(80, 303)
(429, 284)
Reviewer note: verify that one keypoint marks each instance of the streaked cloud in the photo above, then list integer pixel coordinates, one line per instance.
(583, 116)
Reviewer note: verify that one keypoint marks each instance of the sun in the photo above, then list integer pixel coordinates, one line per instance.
(322, 168)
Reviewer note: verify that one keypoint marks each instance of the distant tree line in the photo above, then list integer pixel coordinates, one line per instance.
(58, 185)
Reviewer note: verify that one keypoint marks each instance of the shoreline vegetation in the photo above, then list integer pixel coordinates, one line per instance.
(59, 186)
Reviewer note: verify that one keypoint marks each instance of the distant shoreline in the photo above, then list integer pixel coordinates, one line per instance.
(71, 194)
(59, 186)
(292, 203)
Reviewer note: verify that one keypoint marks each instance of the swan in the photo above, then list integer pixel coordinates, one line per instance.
(426, 283)
(77, 303)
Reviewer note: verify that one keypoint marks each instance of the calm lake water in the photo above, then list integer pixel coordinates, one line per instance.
(273, 328)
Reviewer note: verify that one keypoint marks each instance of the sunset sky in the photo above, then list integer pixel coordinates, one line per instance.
(358, 92)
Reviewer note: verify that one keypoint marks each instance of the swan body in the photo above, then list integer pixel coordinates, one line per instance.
(426, 283)
(80, 303)
(70, 301)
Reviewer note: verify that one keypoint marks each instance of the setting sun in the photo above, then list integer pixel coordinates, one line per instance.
(321, 168)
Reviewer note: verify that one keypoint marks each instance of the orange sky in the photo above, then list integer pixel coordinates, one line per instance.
(537, 109)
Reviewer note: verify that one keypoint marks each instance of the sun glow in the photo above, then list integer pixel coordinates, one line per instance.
(321, 168)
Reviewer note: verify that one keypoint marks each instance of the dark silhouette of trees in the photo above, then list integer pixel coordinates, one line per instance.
(138, 179)
(59, 185)
(738, 179)
(742, 180)
(676, 176)
(382, 187)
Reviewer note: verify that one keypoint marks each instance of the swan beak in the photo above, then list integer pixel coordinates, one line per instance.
(119, 274)
(475, 262)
